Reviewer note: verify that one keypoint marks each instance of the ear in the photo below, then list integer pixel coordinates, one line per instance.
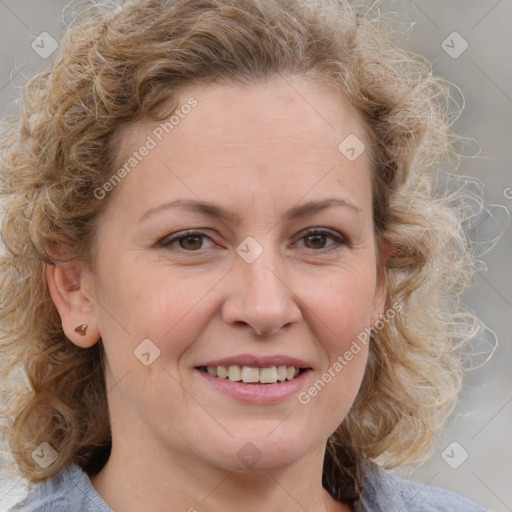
(73, 302)
(381, 289)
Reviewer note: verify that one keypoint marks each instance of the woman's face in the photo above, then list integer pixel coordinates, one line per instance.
(236, 172)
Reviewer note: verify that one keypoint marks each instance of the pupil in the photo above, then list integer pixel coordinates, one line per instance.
(184, 241)
(317, 238)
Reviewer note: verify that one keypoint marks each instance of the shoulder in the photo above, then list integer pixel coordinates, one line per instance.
(70, 489)
(384, 491)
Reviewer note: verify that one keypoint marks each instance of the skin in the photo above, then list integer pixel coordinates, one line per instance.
(259, 151)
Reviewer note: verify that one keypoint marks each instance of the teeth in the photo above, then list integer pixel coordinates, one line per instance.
(281, 373)
(268, 375)
(235, 373)
(251, 374)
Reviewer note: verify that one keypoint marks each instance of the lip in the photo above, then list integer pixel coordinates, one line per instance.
(259, 361)
(256, 393)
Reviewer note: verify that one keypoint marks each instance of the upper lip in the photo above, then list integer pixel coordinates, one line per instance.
(258, 361)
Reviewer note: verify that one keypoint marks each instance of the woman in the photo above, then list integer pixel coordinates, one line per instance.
(241, 287)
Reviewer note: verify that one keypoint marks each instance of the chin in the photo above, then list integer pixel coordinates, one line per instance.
(261, 452)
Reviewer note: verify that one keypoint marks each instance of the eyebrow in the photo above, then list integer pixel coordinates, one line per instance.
(221, 213)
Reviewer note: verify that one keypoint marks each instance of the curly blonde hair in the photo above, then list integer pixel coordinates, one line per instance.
(120, 62)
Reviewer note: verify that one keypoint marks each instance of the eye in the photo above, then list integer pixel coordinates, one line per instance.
(193, 241)
(188, 241)
(317, 238)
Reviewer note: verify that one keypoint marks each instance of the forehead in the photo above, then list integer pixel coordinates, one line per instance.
(255, 114)
(281, 137)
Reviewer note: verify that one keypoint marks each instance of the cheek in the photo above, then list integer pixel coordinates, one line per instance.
(344, 304)
(150, 302)
(343, 320)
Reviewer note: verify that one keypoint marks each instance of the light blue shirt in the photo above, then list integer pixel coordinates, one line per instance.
(72, 491)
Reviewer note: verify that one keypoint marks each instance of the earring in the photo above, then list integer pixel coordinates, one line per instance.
(81, 329)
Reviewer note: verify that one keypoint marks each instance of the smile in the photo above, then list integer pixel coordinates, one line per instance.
(253, 374)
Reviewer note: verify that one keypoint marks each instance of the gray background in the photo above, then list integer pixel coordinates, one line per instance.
(483, 72)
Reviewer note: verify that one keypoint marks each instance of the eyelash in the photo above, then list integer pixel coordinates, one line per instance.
(340, 240)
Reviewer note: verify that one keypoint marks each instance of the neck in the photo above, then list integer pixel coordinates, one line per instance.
(133, 481)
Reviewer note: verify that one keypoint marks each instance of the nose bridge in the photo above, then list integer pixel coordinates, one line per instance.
(260, 296)
(262, 280)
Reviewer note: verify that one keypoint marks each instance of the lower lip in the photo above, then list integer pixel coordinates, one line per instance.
(257, 393)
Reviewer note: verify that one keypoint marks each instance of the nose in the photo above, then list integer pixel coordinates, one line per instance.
(261, 295)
